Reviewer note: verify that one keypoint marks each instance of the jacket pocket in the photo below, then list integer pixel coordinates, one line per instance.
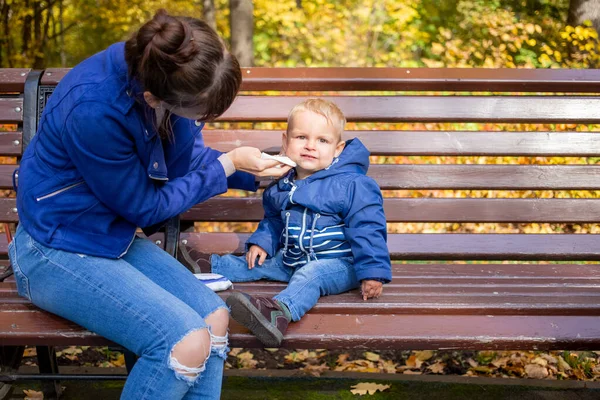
(58, 191)
(20, 278)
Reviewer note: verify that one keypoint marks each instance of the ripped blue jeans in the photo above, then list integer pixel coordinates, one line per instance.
(145, 301)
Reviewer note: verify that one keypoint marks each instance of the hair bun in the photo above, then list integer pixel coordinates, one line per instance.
(165, 42)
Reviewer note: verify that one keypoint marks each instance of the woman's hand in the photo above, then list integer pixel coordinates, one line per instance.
(371, 289)
(253, 252)
(248, 159)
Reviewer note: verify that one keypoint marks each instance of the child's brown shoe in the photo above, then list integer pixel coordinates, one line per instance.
(263, 316)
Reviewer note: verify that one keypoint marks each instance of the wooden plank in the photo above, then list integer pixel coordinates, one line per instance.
(6, 172)
(437, 246)
(522, 109)
(452, 246)
(421, 79)
(450, 176)
(8, 210)
(11, 143)
(12, 80)
(435, 332)
(403, 79)
(492, 177)
(417, 210)
(23, 324)
(427, 143)
(11, 110)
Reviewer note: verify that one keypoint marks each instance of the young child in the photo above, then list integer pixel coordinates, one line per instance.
(324, 229)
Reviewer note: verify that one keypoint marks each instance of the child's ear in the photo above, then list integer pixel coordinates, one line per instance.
(339, 148)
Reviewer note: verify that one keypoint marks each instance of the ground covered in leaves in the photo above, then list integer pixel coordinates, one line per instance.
(517, 364)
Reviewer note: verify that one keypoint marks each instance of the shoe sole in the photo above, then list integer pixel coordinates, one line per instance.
(244, 312)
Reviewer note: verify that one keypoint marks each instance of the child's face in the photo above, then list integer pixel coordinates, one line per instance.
(311, 142)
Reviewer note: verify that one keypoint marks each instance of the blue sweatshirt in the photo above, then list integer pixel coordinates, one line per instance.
(336, 212)
(97, 168)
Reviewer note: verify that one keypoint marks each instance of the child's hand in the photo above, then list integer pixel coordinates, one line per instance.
(253, 252)
(371, 289)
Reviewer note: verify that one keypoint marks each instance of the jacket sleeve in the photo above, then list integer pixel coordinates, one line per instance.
(268, 233)
(366, 230)
(202, 154)
(104, 154)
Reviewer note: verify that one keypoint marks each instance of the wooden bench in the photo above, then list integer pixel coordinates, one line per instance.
(452, 303)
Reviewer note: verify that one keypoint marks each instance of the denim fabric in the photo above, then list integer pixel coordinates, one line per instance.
(146, 301)
(306, 284)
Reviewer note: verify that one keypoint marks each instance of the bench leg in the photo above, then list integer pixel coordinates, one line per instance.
(10, 359)
(48, 364)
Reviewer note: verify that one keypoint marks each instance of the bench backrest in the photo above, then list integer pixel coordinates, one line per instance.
(403, 115)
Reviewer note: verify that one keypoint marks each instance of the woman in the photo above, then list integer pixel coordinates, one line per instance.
(119, 147)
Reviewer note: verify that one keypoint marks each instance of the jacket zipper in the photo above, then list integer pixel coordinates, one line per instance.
(59, 191)
(128, 246)
(300, 238)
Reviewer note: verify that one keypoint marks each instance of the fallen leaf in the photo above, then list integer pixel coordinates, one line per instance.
(413, 362)
(33, 395)
(539, 361)
(246, 360)
(371, 356)
(342, 358)
(388, 366)
(368, 388)
(536, 371)
(500, 362)
(424, 355)
(563, 365)
(235, 351)
(120, 361)
(437, 368)
(30, 352)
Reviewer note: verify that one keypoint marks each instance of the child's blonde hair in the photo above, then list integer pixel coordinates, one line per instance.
(331, 112)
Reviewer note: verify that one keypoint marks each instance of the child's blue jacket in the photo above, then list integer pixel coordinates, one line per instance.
(336, 212)
(97, 169)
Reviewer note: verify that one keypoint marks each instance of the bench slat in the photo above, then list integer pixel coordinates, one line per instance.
(394, 143)
(23, 324)
(453, 246)
(416, 210)
(11, 143)
(12, 80)
(404, 79)
(450, 176)
(11, 110)
(529, 109)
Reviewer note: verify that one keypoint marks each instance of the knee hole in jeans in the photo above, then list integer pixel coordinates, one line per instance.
(189, 355)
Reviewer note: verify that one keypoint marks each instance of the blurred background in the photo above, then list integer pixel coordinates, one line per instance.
(349, 33)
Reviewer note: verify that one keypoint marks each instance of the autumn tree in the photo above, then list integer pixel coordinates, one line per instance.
(242, 30)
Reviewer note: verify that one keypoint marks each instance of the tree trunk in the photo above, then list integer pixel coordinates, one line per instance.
(26, 36)
(583, 10)
(241, 21)
(209, 13)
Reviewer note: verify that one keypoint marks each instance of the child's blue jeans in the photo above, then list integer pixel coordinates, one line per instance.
(146, 301)
(306, 284)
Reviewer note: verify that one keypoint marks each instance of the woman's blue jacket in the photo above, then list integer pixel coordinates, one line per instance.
(97, 169)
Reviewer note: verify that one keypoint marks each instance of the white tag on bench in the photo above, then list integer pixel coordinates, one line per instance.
(215, 282)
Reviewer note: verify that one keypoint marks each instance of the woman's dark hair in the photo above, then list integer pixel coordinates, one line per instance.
(183, 62)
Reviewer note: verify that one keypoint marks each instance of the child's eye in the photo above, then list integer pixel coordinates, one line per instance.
(300, 137)
(324, 141)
